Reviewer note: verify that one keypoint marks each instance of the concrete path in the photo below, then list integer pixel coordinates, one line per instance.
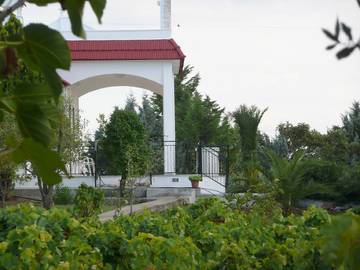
(158, 204)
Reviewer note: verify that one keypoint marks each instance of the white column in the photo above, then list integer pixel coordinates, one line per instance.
(165, 15)
(169, 119)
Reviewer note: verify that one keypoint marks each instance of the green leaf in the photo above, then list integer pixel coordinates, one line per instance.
(330, 47)
(47, 163)
(330, 35)
(52, 113)
(35, 93)
(7, 105)
(337, 29)
(42, 2)
(345, 52)
(98, 8)
(33, 123)
(347, 31)
(35, 110)
(54, 81)
(45, 47)
(45, 50)
(2, 61)
(75, 10)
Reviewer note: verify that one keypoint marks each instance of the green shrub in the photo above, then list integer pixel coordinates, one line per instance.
(33, 238)
(88, 201)
(62, 195)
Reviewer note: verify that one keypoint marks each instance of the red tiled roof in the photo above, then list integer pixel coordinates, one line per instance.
(161, 49)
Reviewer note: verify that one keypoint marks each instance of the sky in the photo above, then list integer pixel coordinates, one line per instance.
(270, 53)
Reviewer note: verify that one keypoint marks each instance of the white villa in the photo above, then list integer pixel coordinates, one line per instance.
(147, 59)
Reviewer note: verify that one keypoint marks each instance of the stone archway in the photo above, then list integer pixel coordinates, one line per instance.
(149, 63)
(156, 78)
(85, 86)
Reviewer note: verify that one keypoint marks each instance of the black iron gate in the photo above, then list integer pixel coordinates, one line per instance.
(210, 161)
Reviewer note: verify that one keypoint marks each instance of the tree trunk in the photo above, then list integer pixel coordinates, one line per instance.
(122, 187)
(46, 192)
(6, 185)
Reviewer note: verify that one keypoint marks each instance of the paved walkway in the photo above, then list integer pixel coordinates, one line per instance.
(158, 204)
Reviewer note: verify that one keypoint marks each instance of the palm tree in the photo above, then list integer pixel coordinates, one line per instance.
(288, 175)
(247, 120)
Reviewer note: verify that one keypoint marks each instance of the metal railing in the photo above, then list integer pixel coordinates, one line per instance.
(211, 161)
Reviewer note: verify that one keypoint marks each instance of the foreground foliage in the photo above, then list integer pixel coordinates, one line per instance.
(33, 104)
(208, 235)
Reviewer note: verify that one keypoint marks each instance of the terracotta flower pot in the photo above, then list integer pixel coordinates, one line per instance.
(195, 184)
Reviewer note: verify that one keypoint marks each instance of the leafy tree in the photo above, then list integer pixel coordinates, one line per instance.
(95, 147)
(198, 118)
(351, 122)
(69, 144)
(130, 104)
(351, 126)
(152, 122)
(8, 131)
(300, 137)
(348, 184)
(279, 146)
(348, 46)
(335, 146)
(125, 143)
(33, 104)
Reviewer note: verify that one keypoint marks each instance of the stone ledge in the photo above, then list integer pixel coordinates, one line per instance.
(158, 205)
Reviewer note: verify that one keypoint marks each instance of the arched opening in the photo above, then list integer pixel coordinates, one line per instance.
(104, 100)
(94, 83)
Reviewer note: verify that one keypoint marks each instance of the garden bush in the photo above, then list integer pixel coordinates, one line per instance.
(210, 234)
(62, 195)
(88, 201)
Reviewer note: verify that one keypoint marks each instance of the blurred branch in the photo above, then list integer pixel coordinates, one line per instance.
(8, 10)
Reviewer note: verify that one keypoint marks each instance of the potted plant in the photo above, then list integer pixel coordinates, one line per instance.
(195, 179)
